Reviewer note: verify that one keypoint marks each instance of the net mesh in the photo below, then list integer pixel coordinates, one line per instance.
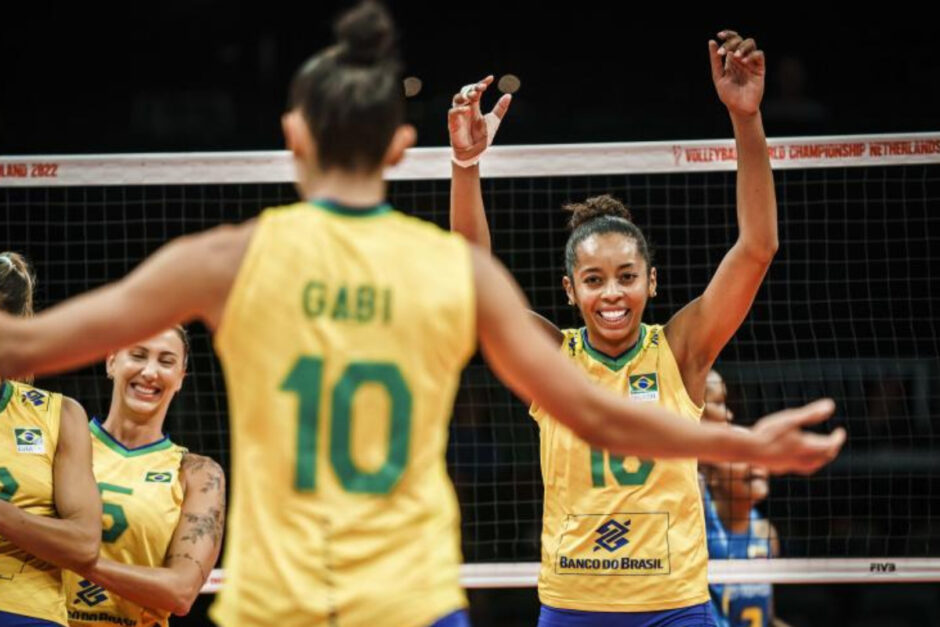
(848, 310)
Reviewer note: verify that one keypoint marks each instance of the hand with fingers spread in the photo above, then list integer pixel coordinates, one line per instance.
(738, 70)
(785, 447)
(471, 132)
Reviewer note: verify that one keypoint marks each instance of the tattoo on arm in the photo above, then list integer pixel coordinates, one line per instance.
(204, 525)
(213, 483)
(187, 556)
(192, 463)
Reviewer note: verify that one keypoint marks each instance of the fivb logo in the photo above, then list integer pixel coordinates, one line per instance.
(612, 535)
(29, 440)
(90, 593)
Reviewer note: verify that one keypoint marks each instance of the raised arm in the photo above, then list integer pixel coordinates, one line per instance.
(701, 329)
(527, 361)
(72, 539)
(188, 278)
(191, 555)
(471, 133)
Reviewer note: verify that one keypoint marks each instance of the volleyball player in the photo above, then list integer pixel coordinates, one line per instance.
(164, 506)
(623, 539)
(50, 513)
(342, 327)
(734, 528)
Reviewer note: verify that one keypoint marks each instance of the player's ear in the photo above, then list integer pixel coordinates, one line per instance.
(652, 285)
(404, 138)
(297, 135)
(569, 290)
(109, 364)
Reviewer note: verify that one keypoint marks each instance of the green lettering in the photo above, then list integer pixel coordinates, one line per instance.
(8, 485)
(387, 308)
(306, 380)
(365, 303)
(119, 522)
(314, 298)
(340, 307)
(625, 477)
(597, 467)
(384, 479)
(622, 476)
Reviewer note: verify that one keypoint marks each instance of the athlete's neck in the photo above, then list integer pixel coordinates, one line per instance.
(613, 349)
(347, 189)
(134, 432)
(735, 513)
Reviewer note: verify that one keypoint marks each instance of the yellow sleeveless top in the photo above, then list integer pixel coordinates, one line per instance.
(29, 433)
(621, 534)
(342, 342)
(141, 495)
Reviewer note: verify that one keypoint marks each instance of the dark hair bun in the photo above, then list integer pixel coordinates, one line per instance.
(365, 33)
(596, 207)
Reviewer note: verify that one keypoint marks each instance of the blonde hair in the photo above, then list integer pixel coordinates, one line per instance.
(16, 285)
(16, 289)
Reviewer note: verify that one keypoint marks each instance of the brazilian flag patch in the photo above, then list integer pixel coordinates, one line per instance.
(29, 440)
(644, 387)
(159, 477)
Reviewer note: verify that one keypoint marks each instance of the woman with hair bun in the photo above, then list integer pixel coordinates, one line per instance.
(623, 538)
(50, 512)
(343, 326)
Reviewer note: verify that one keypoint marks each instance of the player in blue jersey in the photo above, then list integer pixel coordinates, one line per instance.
(734, 528)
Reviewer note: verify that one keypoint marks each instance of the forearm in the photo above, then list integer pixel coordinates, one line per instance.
(646, 430)
(70, 544)
(467, 213)
(756, 199)
(171, 589)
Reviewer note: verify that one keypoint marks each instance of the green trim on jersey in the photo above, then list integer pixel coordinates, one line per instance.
(618, 362)
(350, 212)
(108, 440)
(6, 393)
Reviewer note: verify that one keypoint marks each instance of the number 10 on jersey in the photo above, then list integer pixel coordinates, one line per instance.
(306, 380)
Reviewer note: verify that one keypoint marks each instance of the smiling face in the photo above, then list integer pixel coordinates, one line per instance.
(610, 284)
(147, 375)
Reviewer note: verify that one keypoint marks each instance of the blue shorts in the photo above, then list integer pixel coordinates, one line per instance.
(694, 616)
(18, 620)
(460, 618)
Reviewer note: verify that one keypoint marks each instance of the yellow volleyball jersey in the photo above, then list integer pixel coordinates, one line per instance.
(621, 534)
(29, 433)
(342, 343)
(141, 496)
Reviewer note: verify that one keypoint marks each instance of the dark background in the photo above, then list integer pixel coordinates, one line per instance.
(848, 309)
(208, 75)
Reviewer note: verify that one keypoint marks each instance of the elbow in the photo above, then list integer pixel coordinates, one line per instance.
(181, 606)
(762, 252)
(183, 600)
(84, 555)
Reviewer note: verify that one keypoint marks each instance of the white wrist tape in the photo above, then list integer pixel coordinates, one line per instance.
(492, 125)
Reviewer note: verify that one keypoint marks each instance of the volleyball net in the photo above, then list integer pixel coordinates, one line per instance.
(850, 309)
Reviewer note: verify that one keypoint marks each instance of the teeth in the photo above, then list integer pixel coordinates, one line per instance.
(144, 389)
(614, 314)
